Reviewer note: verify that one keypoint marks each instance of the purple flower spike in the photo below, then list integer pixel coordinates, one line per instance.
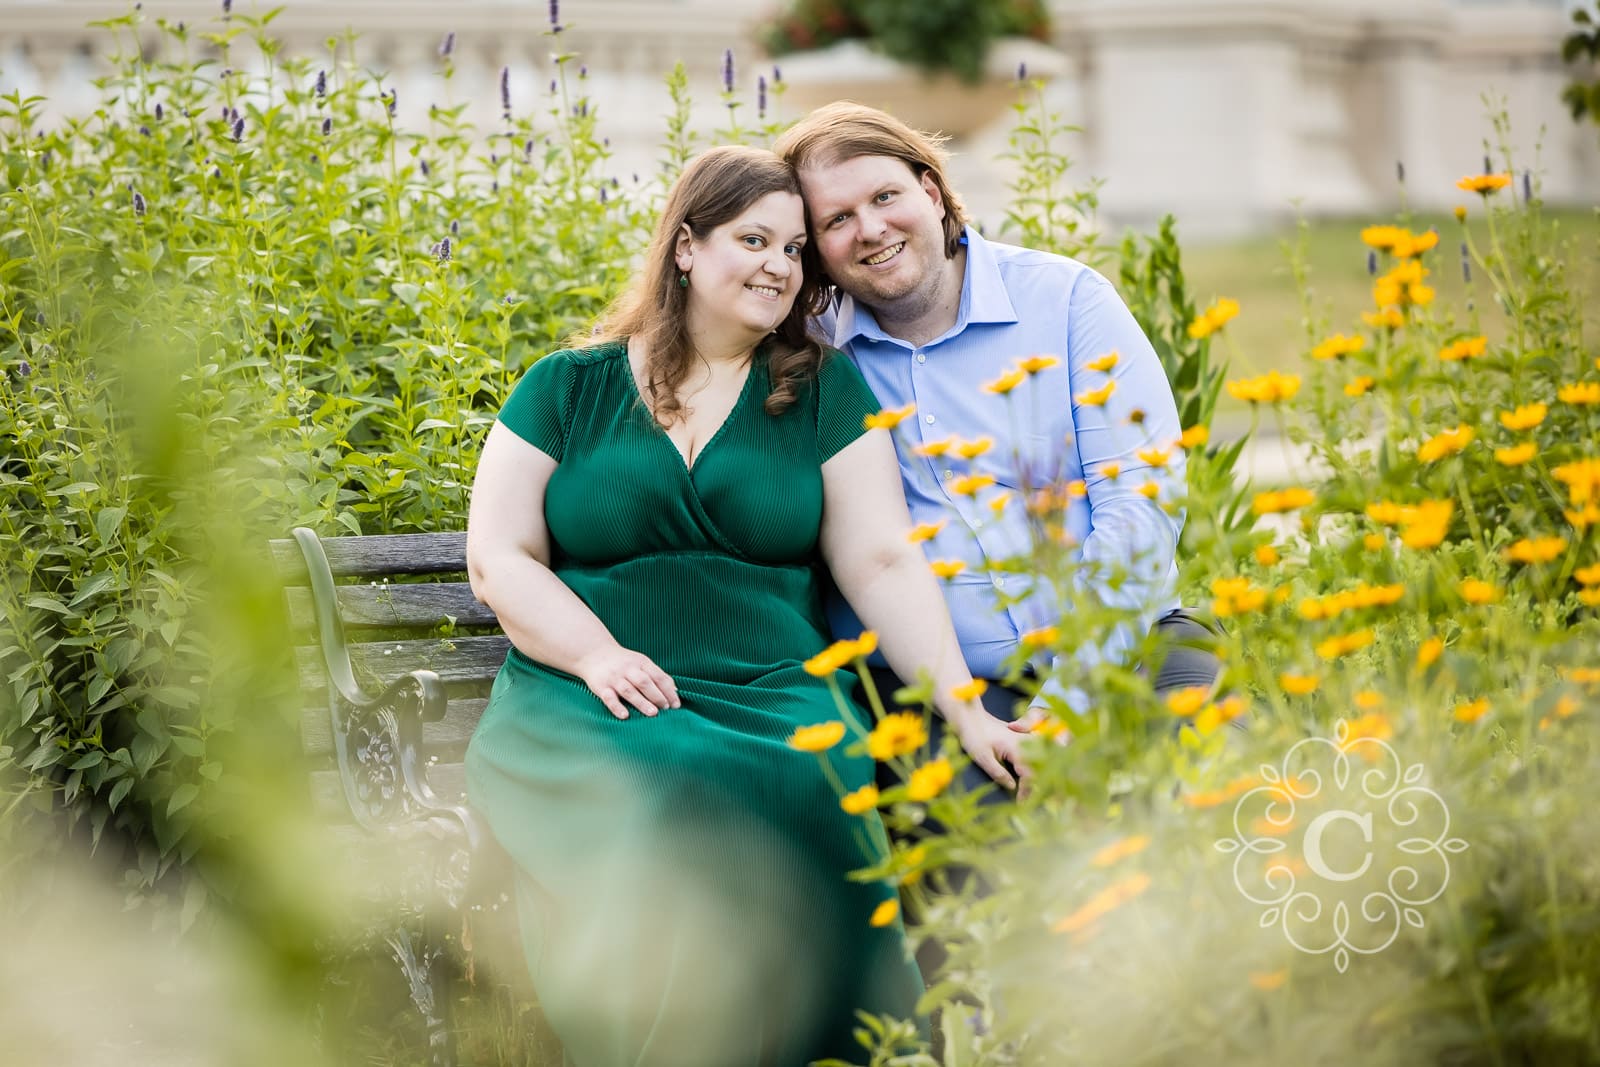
(1527, 187)
(455, 227)
(1466, 264)
(555, 16)
(24, 369)
(227, 8)
(238, 129)
(144, 130)
(422, 165)
(1372, 262)
(448, 45)
(1488, 164)
(1400, 171)
(761, 96)
(322, 83)
(777, 75)
(553, 89)
(160, 114)
(1022, 72)
(394, 101)
(583, 70)
(327, 126)
(443, 250)
(602, 194)
(138, 206)
(505, 91)
(727, 70)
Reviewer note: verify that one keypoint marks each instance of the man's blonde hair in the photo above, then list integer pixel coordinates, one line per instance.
(844, 131)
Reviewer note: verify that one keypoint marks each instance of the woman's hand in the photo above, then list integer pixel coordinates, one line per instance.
(617, 675)
(992, 746)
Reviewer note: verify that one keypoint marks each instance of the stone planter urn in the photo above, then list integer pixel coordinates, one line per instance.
(851, 70)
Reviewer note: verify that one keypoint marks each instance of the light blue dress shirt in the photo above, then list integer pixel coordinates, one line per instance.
(1015, 303)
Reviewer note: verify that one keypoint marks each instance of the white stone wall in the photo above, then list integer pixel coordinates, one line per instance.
(1224, 112)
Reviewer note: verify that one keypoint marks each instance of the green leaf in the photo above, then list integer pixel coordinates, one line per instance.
(182, 797)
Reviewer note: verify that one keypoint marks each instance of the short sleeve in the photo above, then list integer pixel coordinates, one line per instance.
(843, 403)
(540, 407)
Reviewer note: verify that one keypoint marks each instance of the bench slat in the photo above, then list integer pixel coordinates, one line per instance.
(375, 556)
(455, 659)
(446, 738)
(449, 781)
(423, 605)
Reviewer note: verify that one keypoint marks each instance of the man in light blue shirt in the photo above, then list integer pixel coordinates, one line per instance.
(932, 314)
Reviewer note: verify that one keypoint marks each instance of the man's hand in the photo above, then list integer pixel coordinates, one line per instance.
(617, 675)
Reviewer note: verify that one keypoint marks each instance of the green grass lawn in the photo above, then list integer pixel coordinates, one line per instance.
(1272, 330)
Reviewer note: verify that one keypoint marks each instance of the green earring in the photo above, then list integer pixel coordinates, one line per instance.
(683, 281)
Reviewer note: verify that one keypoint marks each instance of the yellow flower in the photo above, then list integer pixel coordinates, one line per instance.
(888, 419)
(947, 568)
(861, 801)
(1077, 488)
(974, 449)
(1589, 597)
(1267, 981)
(936, 448)
(1428, 652)
(1337, 347)
(1516, 455)
(1156, 457)
(1214, 715)
(1102, 904)
(1194, 437)
(1373, 542)
(1535, 550)
(835, 657)
(1104, 363)
(1374, 725)
(1582, 479)
(1466, 348)
(1588, 575)
(1474, 591)
(885, 913)
(1120, 850)
(1525, 417)
(1566, 707)
(1214, 318)
(1582, 675)
(1359, 385)
(1298, 684)
(1109, 471)
(1382, 237)
(1095, 398)
(1043, 637)
(998, 504)
(817, 738)
(1035, 364)
(925, 531)
(1461, 212)
(1471, 711)
(896, 734)
(1006, 382)
(1266, 555)
(1279, 501)
(1268, 388)
(1236, 596)
(1587, 393)
(1582, 519)
(1419, 294)
(1185, 702)
(1387, 318)
(1483, 184)
(1414, 244)
(1342, 645)
(1446, 443)
(971, 691)
(1369, 700)
(929, 780)
(970, 484)
(1150, 490)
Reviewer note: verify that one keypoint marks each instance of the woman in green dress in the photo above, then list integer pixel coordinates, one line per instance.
(649, 520)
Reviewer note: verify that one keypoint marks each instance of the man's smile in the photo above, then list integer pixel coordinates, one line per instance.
(884, 256)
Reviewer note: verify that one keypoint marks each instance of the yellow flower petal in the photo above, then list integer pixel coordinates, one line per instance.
(818, 738)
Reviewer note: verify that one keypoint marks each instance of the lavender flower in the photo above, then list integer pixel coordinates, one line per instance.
(327, 126)
(422, 165)
(505, 91)
(494, 159)
(238, 129)
(1488, 165)
(45, 159)
(583, 70)
(1400, 171)
(321, 87)
(181, 27)
(441, 250)
(727, 70)
(448, 45)
(24, 369)
(553, 89)
(227, 8)
(761, 96)
(602, 194)
(1527, 187)
(527, 149)
(1466, 264)
(1372, 262)
(455, 227)
(1022, 72)
(394, 102)
(144, 131)
(138, 206)
(216, 172)
(160, 114)
(777, 76)
(555, 16)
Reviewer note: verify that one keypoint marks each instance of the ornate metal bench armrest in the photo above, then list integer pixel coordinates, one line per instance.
(378, 738)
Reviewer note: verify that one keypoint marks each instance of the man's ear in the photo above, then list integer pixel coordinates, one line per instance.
(930, 187)
(683, 250)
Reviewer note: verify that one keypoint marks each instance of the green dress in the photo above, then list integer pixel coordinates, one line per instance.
(682, 880)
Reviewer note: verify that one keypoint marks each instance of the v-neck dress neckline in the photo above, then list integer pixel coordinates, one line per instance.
(689, 466)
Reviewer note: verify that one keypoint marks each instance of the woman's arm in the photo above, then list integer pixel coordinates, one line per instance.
(887, 581)
(508, 557)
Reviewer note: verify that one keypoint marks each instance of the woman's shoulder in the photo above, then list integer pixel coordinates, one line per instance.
(599, 354)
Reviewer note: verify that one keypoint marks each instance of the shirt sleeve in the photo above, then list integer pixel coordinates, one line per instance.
(539, 409)
(843, 403)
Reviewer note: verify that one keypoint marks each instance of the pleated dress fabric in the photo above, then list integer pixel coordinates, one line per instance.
(682, 880)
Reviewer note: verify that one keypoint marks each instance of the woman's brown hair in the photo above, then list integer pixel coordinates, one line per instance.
(713, 189)
(843, 131)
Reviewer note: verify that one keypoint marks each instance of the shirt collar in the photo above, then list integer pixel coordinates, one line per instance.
(983, 299)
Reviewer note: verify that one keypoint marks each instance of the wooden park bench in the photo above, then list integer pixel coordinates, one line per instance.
(395, 659)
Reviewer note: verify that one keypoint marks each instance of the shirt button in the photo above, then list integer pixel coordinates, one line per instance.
(999, 581)
(948, 473)
(922, 357)
(928, 419)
